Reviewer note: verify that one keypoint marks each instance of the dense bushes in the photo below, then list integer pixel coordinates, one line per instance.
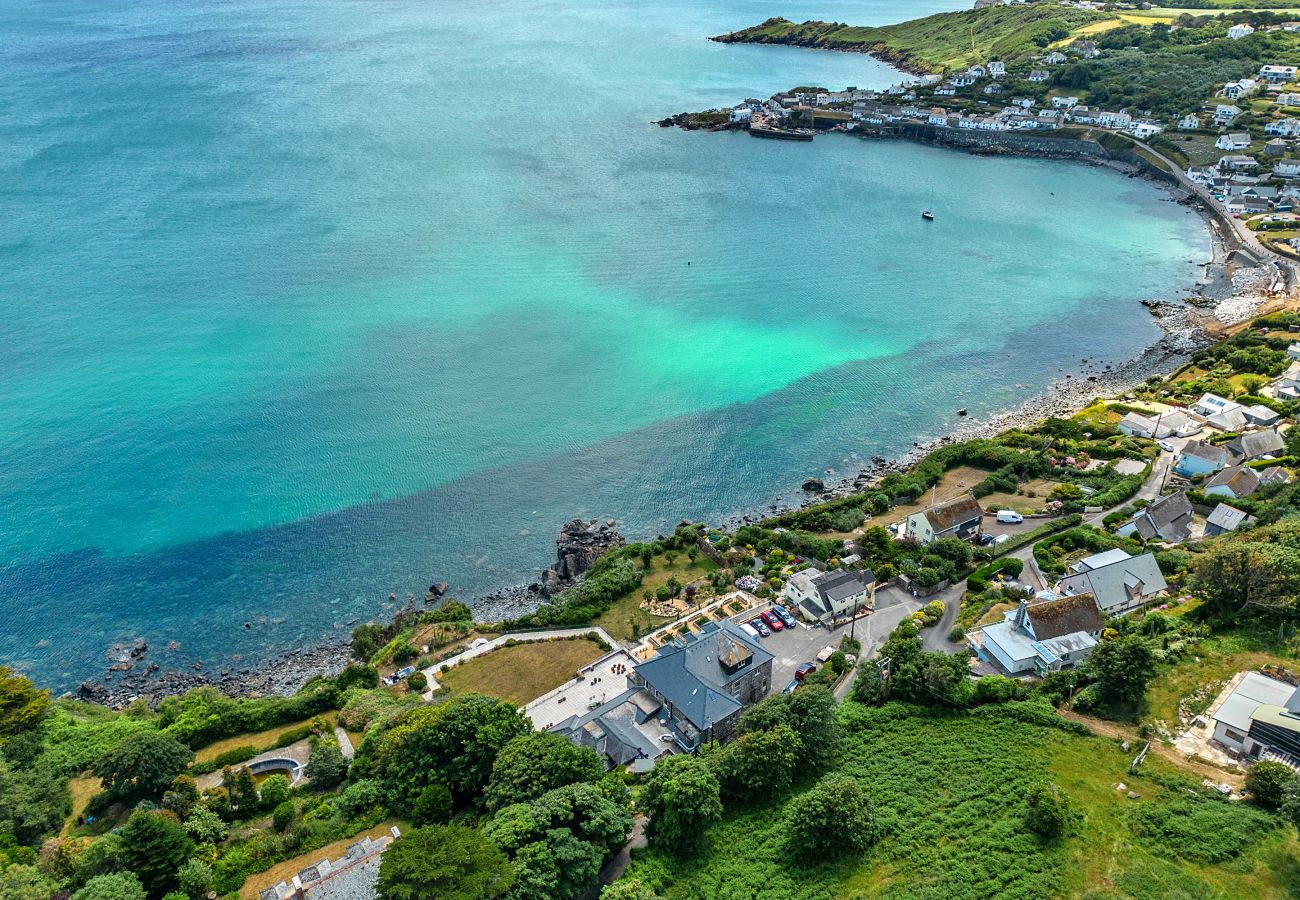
(205, 714)
(611, 577)
(1204, 830)
(1008, 566)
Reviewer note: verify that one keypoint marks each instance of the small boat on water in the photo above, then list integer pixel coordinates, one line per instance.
(928, 216)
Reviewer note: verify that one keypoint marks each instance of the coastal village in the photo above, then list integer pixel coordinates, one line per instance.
(1057, 657)
(1235, 149)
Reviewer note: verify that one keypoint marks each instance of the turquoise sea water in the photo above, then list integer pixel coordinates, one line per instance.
(306, 303)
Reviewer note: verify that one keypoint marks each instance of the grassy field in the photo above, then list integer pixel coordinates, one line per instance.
(263, 740)
(949, 791)
(1092, 28)
(284, 871)
(942, 42)
(522, 672)
(625, 620)
(957, 481)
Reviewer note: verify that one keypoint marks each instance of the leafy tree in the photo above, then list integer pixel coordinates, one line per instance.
(244, 791)
(681, 796)
(326, 767)
(628, 889)
(33, 802)
(1122, 668)
(537, 762)
(274, 791)
(810, 713)
(832, 818)
(447, 862)
(1260, 571)
(758, 764)
(418, 682)
(22, 706)
(433, 806)
(367, 640)
(205, 826)
(154, 846)
(1047, 811)
(195, 879)
(104, 856)
(954, 550)
(142, 765)
(454, 743)
(557, 867)
(181, 796)
(20, 882)
(1266, 782)
(584, 810)
(282, 815)
(117, 886)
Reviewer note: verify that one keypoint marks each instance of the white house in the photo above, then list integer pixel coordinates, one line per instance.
(1288, 99)
(741, 114)
(1235, 90)
(1145, 129)
(1065, 102)
(1240, 30)
(1055, 58)
(1233, 140)
(1277, 74)
(1114, 119)
(1189, 122)
(1041, 637)
(997, 68)
(956, 518)
(831, 596)
(964, 79)
(1225, 113)
(1039, 75)
(978, 71)
(1211, 404)
(937, 116)
(1283, 127)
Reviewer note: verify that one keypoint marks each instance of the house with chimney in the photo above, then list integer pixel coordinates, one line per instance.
(959, 518)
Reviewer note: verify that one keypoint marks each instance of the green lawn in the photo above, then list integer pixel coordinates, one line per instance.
(949, 790)
(523, 672)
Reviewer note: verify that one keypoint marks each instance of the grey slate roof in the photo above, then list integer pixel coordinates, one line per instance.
(1169, 518)
(1238, 479)
(692, 678)
(1219, 455)
(1119, 583)
(1226, 518)
(1257, 444)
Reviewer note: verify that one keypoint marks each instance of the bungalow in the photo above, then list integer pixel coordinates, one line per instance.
(1247, 206)
(1238, 162)
(1234, 140)
(1024, 102)
(1236, 90)
(1277, 74)
(831, 597)
(1189, 122)
(1118, 581)
(1041, 637)
(1182, 424)
(1202, 174)
(1260, 415)
(1224, 114)
(1259, 715)
(1055, 58)
(1224, 519)
(1037, 75)
(1258, 445)
(1141, 426)
(977, 70)
(1293, 350)
(703, 681)
(946, 90)
(1288, 127)
(1065, 102)
(1240, 30)
(1168, 519)
(1200, 458)
(957, 518)
(1289, 98)
(1212, 404)
(1273, 475)
(741, 114)
(1233, 482)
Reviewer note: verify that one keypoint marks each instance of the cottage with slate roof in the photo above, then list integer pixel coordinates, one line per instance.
(1226, 518)
(1234, 481)
(959, 518)
(704, 681)
(1120, 582)
(1041, 637)
(1167, 519)
(830, 597)
(1257, 444)
(1201, 458)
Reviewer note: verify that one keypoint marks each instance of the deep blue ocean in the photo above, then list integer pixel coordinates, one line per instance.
(307, 303)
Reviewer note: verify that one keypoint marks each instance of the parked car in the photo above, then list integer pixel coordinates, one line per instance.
(750, 631)
(772, 620)
(761, 627)
(1166, 446)
(789, 688)
(1002, 539)
(784, 613)
(1010, 517)
(984, 539)
(804, 671)
(406, 672)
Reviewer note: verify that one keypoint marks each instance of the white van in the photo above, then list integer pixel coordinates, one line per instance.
(750, 631)
(1010, 517)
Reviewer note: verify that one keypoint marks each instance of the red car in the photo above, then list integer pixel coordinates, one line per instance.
(772, 621)
(803, 671)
